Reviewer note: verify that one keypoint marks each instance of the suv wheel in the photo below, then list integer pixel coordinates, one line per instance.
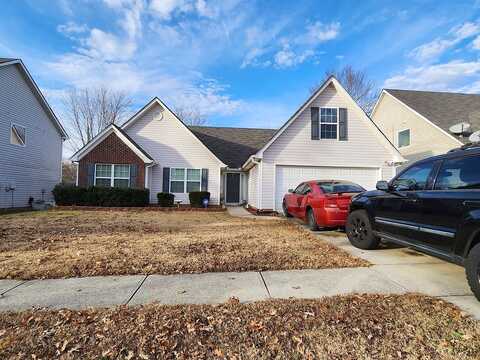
(359, 231)
(312, 223)
(285, 211)
(472, 268)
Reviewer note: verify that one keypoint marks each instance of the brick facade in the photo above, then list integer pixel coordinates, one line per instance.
(112, 150)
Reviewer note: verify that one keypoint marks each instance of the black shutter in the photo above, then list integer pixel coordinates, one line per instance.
(166, 180)
(315, 123)
(204, 179)
(90, 174)
(133, 175)
(342, 124)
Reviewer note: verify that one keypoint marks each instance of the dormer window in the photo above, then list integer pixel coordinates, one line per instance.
(17, 135)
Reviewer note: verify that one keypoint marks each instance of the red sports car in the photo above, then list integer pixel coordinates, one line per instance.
(321, 203)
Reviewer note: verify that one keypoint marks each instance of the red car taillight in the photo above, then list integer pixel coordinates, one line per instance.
(331, 202)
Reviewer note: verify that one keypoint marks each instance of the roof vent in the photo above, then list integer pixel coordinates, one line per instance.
(460, 129)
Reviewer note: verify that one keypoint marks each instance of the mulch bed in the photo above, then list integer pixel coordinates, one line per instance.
(341, 327)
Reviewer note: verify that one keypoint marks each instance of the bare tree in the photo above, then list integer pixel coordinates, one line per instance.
(357, 84)
(69, 172)
(190, 115)
(89, 111)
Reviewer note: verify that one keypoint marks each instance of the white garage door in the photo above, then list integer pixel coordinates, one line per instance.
(288, 177)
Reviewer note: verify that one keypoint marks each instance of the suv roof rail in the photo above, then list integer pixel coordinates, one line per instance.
(467, 146)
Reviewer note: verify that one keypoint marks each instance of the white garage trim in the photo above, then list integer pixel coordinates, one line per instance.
(375, 175)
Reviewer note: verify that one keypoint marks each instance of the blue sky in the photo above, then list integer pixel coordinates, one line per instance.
(241, 63)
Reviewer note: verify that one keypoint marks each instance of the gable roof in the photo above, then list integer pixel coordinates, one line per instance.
(443, 109)
(233, 145)
(332, 80)
(122, 135)
(38, 94)
(157, 101)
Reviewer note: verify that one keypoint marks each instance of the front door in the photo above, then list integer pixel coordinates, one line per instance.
(233, 188)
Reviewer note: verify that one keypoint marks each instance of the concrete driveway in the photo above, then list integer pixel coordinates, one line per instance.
(413, 271)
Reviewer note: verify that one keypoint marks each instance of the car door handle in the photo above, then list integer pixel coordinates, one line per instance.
(412, 200)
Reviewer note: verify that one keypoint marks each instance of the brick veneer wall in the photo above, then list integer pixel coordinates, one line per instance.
(112, 150)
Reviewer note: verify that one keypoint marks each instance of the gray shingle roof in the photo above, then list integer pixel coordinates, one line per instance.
(233, 146)
(442, 108)
(3, 60)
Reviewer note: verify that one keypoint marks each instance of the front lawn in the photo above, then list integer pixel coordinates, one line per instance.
(341, 327)
(55, 244)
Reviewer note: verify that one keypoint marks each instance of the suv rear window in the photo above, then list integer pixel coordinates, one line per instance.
(335, 188)
(459, 173)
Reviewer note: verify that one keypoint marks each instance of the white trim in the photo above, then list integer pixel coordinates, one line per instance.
(424, 118)
(185, 179)
(409, 138)
(12, 124)
(102, 136)
(76, 180)
(332, 80)
(112, 174)
(157, 101)
(39, 94)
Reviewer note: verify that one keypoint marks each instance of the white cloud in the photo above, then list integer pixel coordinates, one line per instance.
(265, 45)
(476, 43)
(165, 8)
(82, 71)
(106, 46)
(72, 28)
(433, 49)
(452, 76)
(288, 58)
(319, 32)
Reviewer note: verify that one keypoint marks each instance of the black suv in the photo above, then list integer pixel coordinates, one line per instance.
(432, 206)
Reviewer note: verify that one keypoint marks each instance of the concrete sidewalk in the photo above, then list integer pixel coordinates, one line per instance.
(209, 288)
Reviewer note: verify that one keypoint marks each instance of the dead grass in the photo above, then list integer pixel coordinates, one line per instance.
(341, 327)
(55, 244)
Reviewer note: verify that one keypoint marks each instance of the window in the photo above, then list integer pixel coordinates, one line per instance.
(328, 123)
(110, 175)
(185, 180)
(337, 187)
(460, 173)
(414, 178)
(403, 138)
(299, 189)
(17, 135)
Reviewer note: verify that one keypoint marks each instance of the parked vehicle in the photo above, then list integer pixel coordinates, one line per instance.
(321, 203)
(432, 206)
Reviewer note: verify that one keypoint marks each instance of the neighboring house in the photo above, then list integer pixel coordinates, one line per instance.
(329, 137)
(31, 139)
(418, 122)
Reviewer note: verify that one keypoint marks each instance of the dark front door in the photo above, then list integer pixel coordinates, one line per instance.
(233, 188)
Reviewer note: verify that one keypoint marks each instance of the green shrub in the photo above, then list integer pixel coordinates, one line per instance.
(165, 199)
(196, 198)
(100, 196)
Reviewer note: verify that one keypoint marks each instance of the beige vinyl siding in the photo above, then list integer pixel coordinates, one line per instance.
(426, 140)
(36, 166)
(294, 146)
(253, 185)
(172, 145)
